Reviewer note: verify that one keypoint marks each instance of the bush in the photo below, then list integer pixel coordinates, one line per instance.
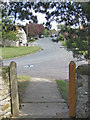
(61, 38)
(74, 45)
(68, 43)
(58, 39)
(64, 43)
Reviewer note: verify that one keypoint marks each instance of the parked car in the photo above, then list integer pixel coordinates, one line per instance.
(54, 39)
(36, 37)
(41, 36)
(52, 35)
(56, 35)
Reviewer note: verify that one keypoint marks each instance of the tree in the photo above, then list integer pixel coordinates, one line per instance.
(86, 10)
(9, 31)
(68, 12)
(76, 40)
(47, 32)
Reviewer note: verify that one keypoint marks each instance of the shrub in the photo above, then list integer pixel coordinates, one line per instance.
(74, 45)
(64, 43)
(61, 38)
(68, 43)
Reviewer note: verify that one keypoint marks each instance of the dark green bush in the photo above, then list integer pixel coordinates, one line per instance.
(69, 44)
(61, 37)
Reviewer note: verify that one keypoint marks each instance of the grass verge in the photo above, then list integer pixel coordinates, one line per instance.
(23, 82)
(11, 52)
(64, 89)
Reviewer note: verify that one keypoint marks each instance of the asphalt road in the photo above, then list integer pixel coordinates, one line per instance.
(51, 62)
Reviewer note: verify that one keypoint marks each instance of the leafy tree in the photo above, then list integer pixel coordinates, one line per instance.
(68, 12)
(77, 41)
(47, 32)
(9, 31)
(85, 10)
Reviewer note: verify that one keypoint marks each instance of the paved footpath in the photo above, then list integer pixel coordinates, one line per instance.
(43, 100)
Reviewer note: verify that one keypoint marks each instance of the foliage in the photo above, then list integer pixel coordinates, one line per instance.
(10, 52)
(60, 38)
(68, 12)
(30, 39)
(76, 40)
(64, 43)
(46, 32)
(11, 35)
(9, 30)
(86, 9)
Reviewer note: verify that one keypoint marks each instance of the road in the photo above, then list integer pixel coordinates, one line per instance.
(51, 62)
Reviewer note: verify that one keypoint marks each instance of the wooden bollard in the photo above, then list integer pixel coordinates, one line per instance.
(14, 90)
(72, 89)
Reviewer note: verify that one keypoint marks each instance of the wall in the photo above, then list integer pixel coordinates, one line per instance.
(9, 43)
(5, 101)
(82, 96)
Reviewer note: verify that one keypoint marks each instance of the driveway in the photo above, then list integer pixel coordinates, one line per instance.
(51, 62)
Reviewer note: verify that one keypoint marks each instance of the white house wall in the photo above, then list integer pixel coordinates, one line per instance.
(23, 37)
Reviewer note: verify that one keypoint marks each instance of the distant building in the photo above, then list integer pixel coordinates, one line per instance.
(81, 27)
(33, 29)
(23, 37)
(87, 27)
(55, 32)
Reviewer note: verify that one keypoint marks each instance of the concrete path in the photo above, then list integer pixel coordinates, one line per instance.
(43, 100)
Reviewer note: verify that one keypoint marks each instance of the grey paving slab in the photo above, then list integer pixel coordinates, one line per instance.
(42, 99)
(42, 90)
(40, 110)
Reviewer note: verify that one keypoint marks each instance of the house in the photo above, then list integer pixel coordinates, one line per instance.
(33, 29)
(22, 41)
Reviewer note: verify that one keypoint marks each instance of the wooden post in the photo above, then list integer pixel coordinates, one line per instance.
(72, 89)
(14, 89)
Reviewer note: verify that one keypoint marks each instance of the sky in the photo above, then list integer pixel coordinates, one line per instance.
(41, 18)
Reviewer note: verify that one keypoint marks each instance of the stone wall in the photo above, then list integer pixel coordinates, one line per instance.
(82, 96)
(5, 101)
(8, 43)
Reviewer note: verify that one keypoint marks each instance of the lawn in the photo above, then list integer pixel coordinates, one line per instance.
(23, 82)
(64, 89)
(11, 52)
